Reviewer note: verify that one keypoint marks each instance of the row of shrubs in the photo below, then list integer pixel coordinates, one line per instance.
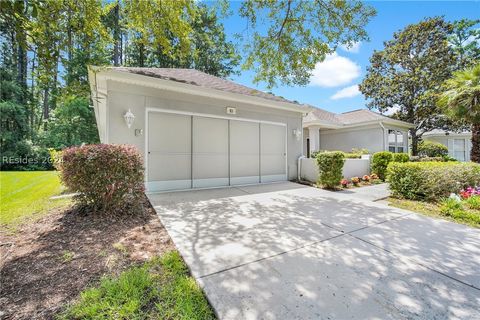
(431, 181)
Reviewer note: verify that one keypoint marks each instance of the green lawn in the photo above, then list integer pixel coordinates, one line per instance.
(463, 214)
(159, 289)
(26, 194)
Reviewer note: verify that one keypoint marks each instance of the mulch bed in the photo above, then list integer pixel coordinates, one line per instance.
(47, 263)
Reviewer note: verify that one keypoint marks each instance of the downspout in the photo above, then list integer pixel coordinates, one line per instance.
(383, 129)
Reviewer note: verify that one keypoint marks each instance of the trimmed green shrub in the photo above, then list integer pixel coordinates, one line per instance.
(432, 149)
(330, 166)
(108, 178)
(401, 157)
(380, 161)
(431, 180)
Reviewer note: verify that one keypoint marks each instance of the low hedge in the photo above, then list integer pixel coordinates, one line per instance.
(330, 167)
(432, 149)
(380, 161)
(108, 178)
(431, 180)
(401, 157)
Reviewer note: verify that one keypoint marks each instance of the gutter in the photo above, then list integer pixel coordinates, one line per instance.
(384, 135)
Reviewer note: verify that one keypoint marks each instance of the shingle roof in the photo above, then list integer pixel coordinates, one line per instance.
(201, 79)
(346, 118)
(320, 114)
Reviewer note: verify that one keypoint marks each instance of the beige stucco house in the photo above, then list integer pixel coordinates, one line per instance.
(324, 130)
(196, 130)
(459, 144)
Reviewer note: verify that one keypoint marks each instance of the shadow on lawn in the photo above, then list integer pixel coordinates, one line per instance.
(48, 263)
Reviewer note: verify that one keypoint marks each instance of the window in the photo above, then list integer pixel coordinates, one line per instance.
(395, 141)
(459, 149)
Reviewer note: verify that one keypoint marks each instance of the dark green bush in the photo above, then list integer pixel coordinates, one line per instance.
(380, 161)
(330, 165)
(432, 149)
(401, 157)
(431, 180)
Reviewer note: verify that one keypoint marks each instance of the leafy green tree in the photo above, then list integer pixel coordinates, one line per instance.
(465, 41)
(298, 35)
(71, 124)
(461, 100)
(407, 75)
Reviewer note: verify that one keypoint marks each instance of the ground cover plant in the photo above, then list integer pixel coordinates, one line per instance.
(159, 289)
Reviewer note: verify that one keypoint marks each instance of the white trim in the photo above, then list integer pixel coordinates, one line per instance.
(238, 181)
(274, 178)
(168, 185)
(208, 115)
(210, 182)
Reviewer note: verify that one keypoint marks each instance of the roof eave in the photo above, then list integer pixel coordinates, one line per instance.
(147, 81)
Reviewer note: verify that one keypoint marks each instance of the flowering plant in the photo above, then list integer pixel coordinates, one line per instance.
(469, 192)
(355, 180)
(373, 176)
(366, 178)
(344, 183)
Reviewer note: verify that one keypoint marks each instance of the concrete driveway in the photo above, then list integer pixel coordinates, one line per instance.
(287, 251)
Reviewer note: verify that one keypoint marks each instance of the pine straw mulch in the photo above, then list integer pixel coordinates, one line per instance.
(47, 263)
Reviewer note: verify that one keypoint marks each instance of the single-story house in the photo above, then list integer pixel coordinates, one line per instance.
(459, 144)
(196, 130)
(364, 129)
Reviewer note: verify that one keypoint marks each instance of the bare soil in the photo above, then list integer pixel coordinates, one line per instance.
(47, 263)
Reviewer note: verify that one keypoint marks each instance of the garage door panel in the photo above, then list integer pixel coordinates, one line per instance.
(169, 151)
(273, 153)
(210, 152)
(244, 152)
(169, 167)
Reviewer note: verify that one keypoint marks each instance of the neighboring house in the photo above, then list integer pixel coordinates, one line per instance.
(459, 144)
(324, 130)
(196, 130)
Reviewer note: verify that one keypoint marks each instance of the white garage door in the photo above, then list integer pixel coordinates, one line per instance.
(190, 151)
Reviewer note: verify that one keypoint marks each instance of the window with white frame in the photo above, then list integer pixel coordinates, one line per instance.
(396, 141)
(459, 149)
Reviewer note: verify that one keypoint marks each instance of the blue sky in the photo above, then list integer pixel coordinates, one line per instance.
(391, 16)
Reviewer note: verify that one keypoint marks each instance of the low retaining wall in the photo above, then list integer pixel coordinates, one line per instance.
(351, 168)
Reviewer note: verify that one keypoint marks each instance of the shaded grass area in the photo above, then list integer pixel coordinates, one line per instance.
(159, 289)
(464, 212)
(26, 194)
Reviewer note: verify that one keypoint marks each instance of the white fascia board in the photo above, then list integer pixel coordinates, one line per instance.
(146, 81)
(450, 134)
(330, 125)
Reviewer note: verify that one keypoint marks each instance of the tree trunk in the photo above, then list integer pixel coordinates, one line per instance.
(415, 138)
(475, 152)
(116, 36)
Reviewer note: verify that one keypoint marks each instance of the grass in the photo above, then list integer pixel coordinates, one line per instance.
(159, 289)
(465, 212)
(26, 194)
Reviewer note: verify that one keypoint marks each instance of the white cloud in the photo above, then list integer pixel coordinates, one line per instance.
(353, 48)
(334, 71)
(392, 110)
(348, 92)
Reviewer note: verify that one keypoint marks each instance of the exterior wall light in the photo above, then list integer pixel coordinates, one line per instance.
(129, 117)
(297, 133)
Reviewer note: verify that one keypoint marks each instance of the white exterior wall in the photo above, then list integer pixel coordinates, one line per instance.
(351, 168)
(122, 97)
(370, 138)
(447, 141)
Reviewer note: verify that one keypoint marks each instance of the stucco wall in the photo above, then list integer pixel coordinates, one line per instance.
(370, 138)
(122, 97)
(351, 168)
